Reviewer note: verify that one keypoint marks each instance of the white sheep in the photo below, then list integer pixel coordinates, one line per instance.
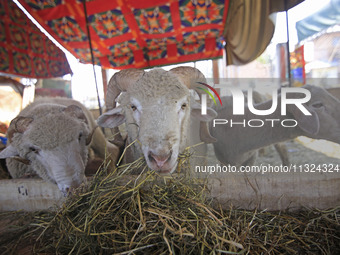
(49, 139)
(99, 145)
(324, 123)
(159, 113)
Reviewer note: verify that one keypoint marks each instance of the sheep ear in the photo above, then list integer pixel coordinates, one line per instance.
(205, 135)
(8, 152)
(196, 113)
(308, 123)
(112, 118)
(75, 111)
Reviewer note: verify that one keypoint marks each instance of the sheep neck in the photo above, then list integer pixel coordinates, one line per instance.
(258, 137)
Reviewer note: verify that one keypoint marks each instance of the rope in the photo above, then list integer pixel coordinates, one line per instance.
(92, 57)
(288, 50)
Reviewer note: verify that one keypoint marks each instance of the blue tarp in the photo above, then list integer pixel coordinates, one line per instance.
(319, 21)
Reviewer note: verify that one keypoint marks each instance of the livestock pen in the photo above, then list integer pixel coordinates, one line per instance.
(223, 213)
(267, 208)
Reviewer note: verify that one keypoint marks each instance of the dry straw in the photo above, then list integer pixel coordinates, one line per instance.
(118, 213)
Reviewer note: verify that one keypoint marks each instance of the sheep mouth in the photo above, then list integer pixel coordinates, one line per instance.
(162, 165)
(160, 160)
(164, 171)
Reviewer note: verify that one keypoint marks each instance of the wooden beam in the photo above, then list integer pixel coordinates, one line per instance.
(104, 77)
(216, 73)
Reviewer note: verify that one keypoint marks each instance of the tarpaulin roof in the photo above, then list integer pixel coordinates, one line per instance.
(130, 33)
(24, 49)
(249, 29)
(319, 21)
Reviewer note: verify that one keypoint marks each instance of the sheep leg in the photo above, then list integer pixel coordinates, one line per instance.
(283, 153)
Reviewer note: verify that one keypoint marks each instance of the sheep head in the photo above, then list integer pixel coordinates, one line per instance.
(54, 142)
(324, 121)
(156, 107)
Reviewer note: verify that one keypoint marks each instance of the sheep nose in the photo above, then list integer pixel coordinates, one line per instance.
(160, 159)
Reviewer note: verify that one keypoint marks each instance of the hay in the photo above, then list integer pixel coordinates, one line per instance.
(149, 214)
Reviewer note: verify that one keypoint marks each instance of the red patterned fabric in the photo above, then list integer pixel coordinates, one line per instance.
(133, 33)
(24, 49)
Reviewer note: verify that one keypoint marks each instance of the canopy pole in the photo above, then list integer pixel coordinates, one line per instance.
(287, 45)
(92, 57)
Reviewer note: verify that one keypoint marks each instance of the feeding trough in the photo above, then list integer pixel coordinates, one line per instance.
(264, 191)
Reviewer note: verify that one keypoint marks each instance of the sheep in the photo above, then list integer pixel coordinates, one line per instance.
(280, 148)
(159, 113)
(99, 145)
(49, 139)
(324, 123)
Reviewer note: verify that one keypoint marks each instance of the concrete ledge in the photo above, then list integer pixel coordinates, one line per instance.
(277, 191)
(271, 191)
(29, 195)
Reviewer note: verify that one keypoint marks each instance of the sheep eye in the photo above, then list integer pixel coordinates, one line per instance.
(318, 105)
(133, 107)
(33, 149)
(183, 106)
(80, 136)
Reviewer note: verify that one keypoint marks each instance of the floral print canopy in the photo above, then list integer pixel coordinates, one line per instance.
(133, 33)
(24, 50)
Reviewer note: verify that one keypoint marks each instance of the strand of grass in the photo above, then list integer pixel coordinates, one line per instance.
(136, 249)
(124, 151)
(231, 252)
(133, 189)
(205, 208)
